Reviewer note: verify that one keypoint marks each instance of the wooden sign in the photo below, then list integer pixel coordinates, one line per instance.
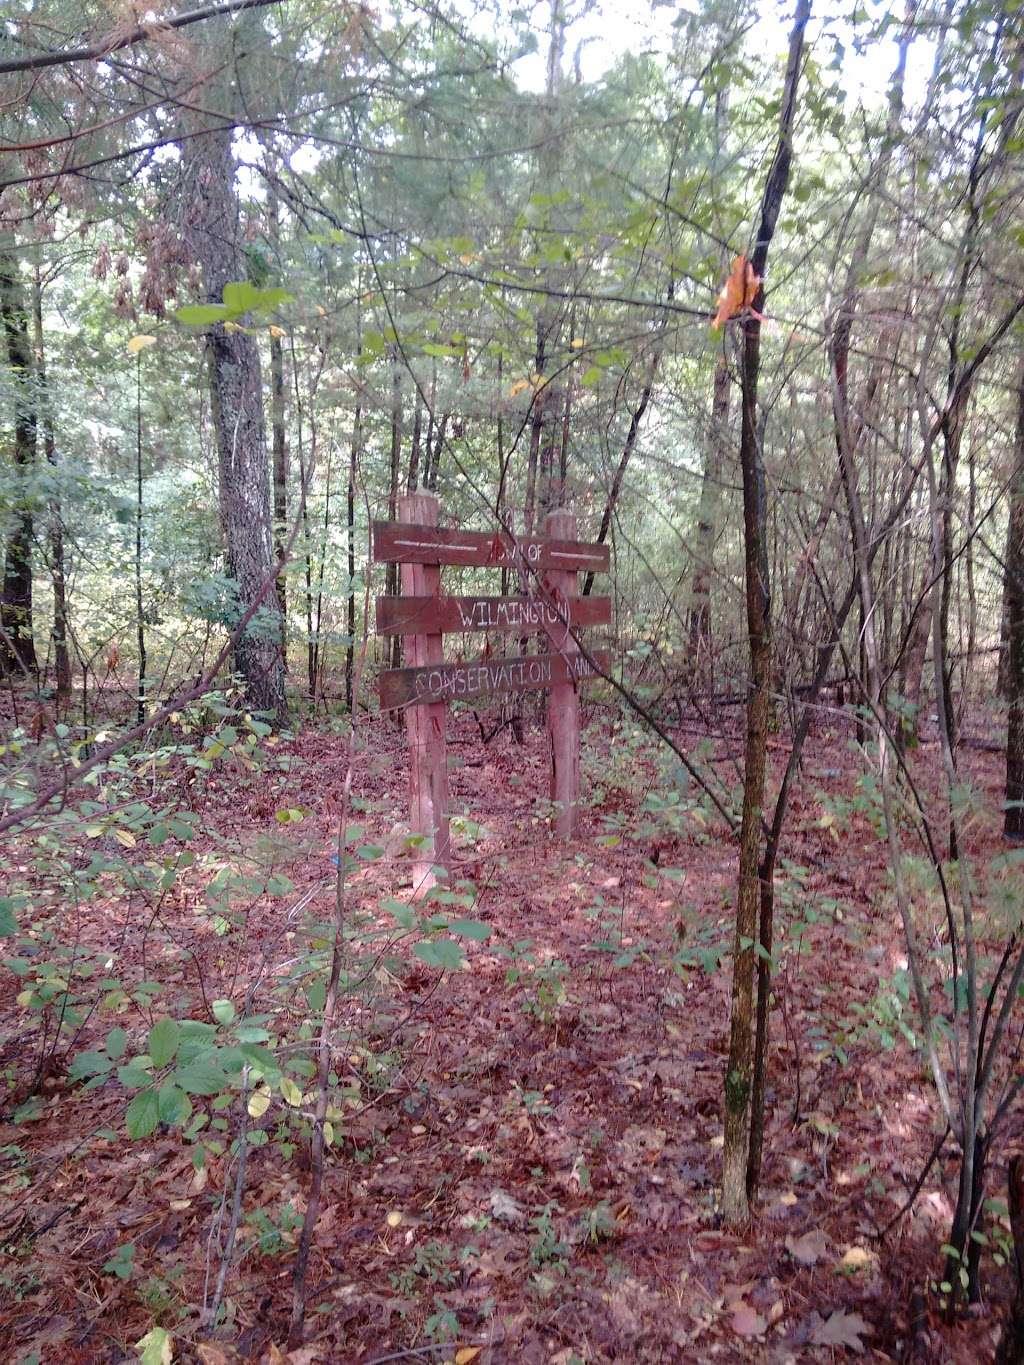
(410, 543)
(550, 564)
(504, 615)
(459, 682)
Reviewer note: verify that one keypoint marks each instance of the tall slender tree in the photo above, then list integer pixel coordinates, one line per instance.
(17, 646)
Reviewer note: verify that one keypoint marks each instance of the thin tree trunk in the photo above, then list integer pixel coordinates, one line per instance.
(536, 432)
(636, 417)
(55, 529)
(391, 573)
(17, 646)
(434, 457)
(280, 449)
(739, 1071)
(708, 513)
(279, 443)
(1014, 593)
(350, 510)
(140, 615)
(414, 453)
(709, 507)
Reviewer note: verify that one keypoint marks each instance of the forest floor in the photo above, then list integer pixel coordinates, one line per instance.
(530, 1162)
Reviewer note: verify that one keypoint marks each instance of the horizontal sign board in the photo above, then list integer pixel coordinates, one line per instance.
(399, 542)
(526, 615)
(459, 682)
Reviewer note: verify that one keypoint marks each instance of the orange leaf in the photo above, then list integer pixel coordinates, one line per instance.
(739, 291)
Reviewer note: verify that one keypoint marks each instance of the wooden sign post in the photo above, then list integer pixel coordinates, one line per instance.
(425, 725)
(564, 701)
(549, 564)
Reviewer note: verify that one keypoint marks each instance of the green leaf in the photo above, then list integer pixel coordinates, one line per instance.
(200, 1078)
(223, 1011)
(117, 1041)
(164, 1038)
(403, 915)
(122, 1262)
(201, 314)
(444, 953)
(156, 1347)
(143, 1114)
(89, 1064)
(369, 852)
(290, 1092)
(8, 924)
(133, 1075)
(474, 929)
(174, 1106)
(243, 297)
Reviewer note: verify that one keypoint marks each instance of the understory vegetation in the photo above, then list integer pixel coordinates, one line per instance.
(732, 1070)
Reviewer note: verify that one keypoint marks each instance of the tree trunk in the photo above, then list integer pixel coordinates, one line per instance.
(709, 507)
(17, 647)
(614, 492)
(350, 509)
(236, 400)
(391, 572)
(140, 615)
(738, 1077)
(414, 453)
(708, 513)
(280, 448)
(55, 530)
(279, 441)
(1014, 593)
(1011, 1346)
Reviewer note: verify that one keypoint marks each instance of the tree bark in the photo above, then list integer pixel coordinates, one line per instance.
(1014, 594)
(280, 448)
(708, 513)
(17, 646)
(55, 530)
(391, 572)
(636, 417)
(350, 511)
(236, 400)
(738, 1077)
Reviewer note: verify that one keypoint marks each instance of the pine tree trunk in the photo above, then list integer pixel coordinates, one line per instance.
(17, 647)
(236, 401)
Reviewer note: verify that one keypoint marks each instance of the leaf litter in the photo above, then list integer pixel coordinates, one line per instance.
(552, 1144)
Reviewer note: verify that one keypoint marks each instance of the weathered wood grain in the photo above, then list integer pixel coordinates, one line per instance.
(521, 615)
(564, 701)
(414, 687)
(408, 543)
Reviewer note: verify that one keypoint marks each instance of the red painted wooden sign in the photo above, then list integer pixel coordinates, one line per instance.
(424, 615)
(459, 682)
(519, 615)
(408, 543)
